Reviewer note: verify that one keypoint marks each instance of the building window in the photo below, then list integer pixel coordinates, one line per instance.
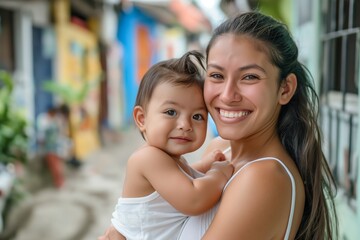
(339, 90)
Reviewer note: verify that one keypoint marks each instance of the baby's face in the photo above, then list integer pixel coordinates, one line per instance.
(176, 119)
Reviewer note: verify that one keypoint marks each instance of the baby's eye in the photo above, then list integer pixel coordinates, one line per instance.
(171, 112)
(198, 117)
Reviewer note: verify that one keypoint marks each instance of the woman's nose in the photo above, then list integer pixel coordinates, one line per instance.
(230, 92)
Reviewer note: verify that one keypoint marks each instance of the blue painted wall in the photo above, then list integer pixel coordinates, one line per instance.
(126, 35)
(43, 71)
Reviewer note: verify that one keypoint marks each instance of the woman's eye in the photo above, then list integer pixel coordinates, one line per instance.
(198, 117)
(251, 77)
(171, 112)
(215, 75)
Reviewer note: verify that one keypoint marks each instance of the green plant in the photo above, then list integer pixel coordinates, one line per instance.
(13, 146)
(13, 137)
(67, 93)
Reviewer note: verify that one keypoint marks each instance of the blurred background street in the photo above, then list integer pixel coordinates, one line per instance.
(69, 74)
(82, 208)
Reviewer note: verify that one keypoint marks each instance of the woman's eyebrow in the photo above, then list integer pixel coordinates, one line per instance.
(215, 66)
(252, 66)
(243, 68)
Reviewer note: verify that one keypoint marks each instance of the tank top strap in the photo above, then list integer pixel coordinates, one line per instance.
(293, 188)
(227, 150)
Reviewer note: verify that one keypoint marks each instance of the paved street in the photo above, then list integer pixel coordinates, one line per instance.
(82, 209)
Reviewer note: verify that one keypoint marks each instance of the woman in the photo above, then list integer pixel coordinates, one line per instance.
(263, 103)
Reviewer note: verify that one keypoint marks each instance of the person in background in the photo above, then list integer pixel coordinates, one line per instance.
(67, 147)
(48, 136)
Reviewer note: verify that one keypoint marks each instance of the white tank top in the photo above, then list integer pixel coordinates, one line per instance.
(196, 226)
(149, 217)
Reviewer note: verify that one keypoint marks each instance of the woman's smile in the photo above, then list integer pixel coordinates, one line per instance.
(233, 114)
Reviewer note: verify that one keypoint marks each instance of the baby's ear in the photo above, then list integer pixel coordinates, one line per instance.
(287, 89)
(139, 118)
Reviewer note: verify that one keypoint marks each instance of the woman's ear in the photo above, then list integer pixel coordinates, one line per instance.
(139, 118)
(287, 89)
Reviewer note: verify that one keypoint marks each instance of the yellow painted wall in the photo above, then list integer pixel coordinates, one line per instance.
(78, 62)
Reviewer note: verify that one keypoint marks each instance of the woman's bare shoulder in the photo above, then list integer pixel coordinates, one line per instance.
(261, 193)
(268, 176)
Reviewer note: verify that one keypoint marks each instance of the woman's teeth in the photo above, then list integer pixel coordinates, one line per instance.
(231, 114)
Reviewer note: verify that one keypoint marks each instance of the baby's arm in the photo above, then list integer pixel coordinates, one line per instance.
(187, 195)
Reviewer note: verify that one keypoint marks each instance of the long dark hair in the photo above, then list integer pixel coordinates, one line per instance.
(297, 125)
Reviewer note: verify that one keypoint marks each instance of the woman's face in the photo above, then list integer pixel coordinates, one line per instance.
(241, 88)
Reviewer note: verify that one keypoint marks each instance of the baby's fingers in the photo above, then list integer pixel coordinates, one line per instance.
(219, 155)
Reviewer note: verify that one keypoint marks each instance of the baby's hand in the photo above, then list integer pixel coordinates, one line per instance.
(217, 155)
(207, 160)
(225, 167)
(211, 157)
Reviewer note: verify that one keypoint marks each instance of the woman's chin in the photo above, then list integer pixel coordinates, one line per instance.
(228, 134)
